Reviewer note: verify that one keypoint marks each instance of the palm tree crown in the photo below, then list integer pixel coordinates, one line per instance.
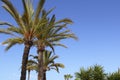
(67, 76)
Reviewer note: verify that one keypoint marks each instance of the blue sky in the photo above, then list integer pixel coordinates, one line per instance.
(97, 25)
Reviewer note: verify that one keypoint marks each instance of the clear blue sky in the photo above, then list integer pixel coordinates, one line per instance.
(97, 25)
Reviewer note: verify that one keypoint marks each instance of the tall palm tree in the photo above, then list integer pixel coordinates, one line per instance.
(27, 27)
(55, 31)
(48, 63)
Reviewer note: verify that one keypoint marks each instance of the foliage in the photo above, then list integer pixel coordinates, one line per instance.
(68, 76)
(95, 72)
(34, 27)
(114, 75)
(48, 63)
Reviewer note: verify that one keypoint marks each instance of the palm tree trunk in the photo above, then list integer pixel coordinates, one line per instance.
(44, 76)
(28, 74)
(40, 65)
(24, 61)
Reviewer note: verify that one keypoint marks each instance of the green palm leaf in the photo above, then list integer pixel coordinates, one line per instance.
(38, 10)
(11, 42)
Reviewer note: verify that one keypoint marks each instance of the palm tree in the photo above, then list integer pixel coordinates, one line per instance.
(35, 28)
(114, 75)
(27, 27)
(83, 74)
(98, 72)
(30, 66)
(55, 31)
(92, 73)
(48, 63)
(67, 76)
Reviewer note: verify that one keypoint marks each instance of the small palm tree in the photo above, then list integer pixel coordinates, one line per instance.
(31, 65)
(68, 76)
(114, 75)
(99, 73)
(48, 63)
(92, 73)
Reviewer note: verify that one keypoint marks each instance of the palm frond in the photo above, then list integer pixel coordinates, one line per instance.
(38, 10)
(13, 12)
(34, 57)
(28, 11)
(61, 36)
(52, 58)
(58, 28)
(59, 65)
(31, 65)
(48, 44)
(52, 21)
(5, 23)
(31, 62)
(56, 66)
(12, 41)
(65, 20)
(15, 30)
(58, 44)
(4, 31)
(10, 8)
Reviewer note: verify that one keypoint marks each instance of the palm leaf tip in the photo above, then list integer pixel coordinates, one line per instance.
(11, 42)
(39, 9)
(74, 37)
(59, 65)
(1, 44)
(5, 23)
(62, 66)
(69, 21)
(66, 20)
